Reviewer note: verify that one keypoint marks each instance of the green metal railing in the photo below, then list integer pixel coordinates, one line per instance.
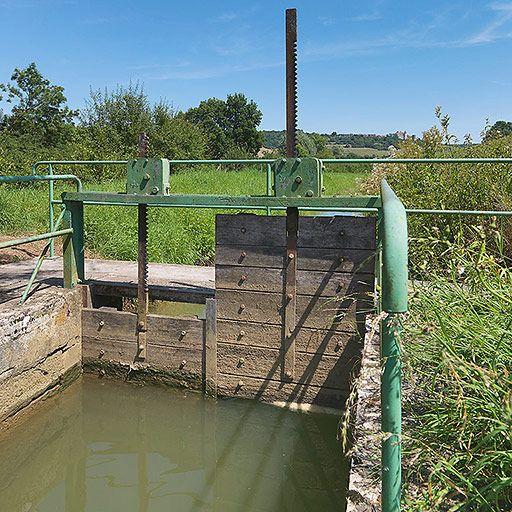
(391, 267)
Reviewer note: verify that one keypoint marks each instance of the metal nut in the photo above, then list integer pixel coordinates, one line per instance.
(154, 190)
(298, 179)
(101, 323)
(243, 254)
(242, 333)
(241, 361)
(309, 193)
(291, 255)
(182, 364)
(242, 307)
(182, 333)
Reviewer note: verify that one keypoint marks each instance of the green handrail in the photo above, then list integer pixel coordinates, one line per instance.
(393, 303)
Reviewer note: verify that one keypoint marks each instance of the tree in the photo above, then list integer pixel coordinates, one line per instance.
(230, 125)
(39, 107)
(498, 129)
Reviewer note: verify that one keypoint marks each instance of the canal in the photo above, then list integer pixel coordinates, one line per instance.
(104, 446)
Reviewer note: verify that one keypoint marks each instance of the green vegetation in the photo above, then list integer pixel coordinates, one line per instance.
(175, 235)
(436, 238)
(458, 389)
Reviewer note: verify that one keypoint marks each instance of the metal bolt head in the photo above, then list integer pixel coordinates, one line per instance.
(298, 179)
(102, 373)
(102, 323)
(102, 353)
(242, 307)
(243, 230)
(182, 364)
(240, 384)
(243, 254)
(154, 190)
(140, 325)
(309, 193)
(243, 277)
(242, 333)
(288, 375)
(291, 255)
(182, 333)
(146, 176)
(289, 296)
(241, 361)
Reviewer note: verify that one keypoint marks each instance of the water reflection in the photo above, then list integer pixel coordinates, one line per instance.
(107, 446)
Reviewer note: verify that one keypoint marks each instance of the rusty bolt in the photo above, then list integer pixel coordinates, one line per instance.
(242, 333)
(289, 296)
(182, 364)
(182, 333)
(298, 179)
(241, 361)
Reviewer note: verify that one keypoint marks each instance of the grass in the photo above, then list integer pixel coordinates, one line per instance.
(458, 410)
(175, 235)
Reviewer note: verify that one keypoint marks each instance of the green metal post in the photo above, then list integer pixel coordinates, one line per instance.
(394, 302)
(68, 253)
(75, 213)
(50, 207)
(269, 185)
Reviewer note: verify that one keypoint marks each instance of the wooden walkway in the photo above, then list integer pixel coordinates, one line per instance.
(185, 283)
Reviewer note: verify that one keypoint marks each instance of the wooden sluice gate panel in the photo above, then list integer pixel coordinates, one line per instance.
(334, 287)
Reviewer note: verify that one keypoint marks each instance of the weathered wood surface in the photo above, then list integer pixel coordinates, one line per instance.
(265, 363)
(361, 261)
(314, 232)
(276, 391)
(173, 343)
(210, 347)
(329, 342)
(309, 282)
(187, 283)
(315, 312)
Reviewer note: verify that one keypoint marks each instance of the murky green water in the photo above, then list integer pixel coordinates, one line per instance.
(103, 446)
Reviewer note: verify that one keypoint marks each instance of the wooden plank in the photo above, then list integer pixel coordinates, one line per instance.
(105, 325)
(290, 295)
(210, 347)
(312, 369)
(314, 232)
(269, 336)
(325, 284)
(333, 260)
(272, 391)
(316, 312)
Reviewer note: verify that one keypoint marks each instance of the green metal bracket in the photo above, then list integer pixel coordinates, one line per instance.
(148, 176)
(298, 177)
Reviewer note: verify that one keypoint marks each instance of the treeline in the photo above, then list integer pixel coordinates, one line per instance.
(274, 139)
(41, 126)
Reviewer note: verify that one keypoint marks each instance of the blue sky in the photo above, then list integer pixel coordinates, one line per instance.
(371, 66)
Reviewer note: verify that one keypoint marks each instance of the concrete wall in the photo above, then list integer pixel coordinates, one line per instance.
(40, 348)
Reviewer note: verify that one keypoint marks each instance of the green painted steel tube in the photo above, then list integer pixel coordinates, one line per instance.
(34, 238)
(394, 301)
(39, 262)
(31, 178)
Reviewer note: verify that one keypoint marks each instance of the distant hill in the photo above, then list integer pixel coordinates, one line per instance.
(274, 139)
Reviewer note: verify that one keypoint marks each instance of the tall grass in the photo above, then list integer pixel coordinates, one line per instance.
(175, 235)
(458, 432)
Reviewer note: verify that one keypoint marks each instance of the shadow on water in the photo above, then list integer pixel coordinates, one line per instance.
(105, 446)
